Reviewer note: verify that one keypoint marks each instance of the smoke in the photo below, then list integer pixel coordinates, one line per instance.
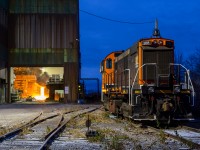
(42, 77)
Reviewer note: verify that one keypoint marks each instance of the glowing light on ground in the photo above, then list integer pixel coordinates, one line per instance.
(41, 96)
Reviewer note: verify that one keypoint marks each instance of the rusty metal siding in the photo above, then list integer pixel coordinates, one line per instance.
(3, 33)
(43, 39)
(43, 6)
(42, 31)
(71, 81)
(3, 27)
(36, 57)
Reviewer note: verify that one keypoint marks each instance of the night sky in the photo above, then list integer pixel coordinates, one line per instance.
(178, 20)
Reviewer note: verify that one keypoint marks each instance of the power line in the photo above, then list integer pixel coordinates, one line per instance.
(127, 22)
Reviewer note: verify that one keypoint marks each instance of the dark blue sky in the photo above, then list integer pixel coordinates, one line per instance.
(178, 20)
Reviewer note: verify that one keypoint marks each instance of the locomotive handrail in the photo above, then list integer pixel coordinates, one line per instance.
(190, 81)
(130, 101)
(171, 64)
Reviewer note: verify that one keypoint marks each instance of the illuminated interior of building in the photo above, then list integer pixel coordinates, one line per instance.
(34, 83)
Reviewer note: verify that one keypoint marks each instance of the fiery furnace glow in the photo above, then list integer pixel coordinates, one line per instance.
(31, 82)
(41, 96)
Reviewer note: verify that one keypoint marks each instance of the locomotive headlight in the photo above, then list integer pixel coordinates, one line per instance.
(177, 89)
(154, 42)
(160, 42)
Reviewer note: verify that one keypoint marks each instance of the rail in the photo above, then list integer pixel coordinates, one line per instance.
(61, 126)
(186, 135)
(19, 129)
(35, 121)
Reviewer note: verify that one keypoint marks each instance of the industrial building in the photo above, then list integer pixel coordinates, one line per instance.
(39, 34)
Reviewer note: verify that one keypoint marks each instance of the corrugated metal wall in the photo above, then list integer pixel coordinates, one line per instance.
(37, 36)
(71, 81)
(43, 6)
(3, 48)
(43, 32)
(3, 33)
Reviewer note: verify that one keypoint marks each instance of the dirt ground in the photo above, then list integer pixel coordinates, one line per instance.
(107, 132)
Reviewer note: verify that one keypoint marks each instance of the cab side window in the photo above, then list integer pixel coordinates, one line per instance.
(108, 63)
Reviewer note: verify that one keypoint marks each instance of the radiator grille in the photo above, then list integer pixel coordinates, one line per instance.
(161, 57)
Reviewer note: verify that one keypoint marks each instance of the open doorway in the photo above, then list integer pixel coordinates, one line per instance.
(36, 84)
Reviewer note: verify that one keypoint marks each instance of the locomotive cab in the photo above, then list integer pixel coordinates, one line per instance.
(108, 85)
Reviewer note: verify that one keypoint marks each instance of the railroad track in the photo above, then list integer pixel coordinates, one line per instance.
(187, 135)
(50, 139)
(42, 116)
(12, 132)
(41, 132)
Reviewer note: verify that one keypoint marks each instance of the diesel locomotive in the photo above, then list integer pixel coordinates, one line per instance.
(144, 82)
